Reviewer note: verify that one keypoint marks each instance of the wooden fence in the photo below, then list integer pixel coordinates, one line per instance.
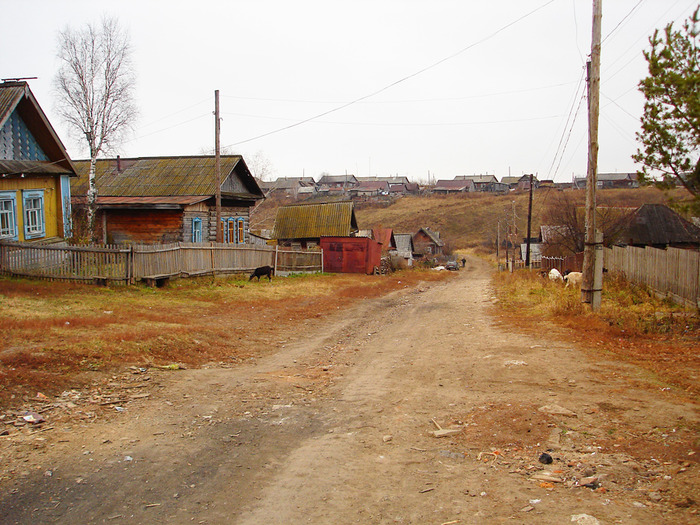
(108, 263)
(672, 272)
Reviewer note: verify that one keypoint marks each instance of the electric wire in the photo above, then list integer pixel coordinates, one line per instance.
(397, 82)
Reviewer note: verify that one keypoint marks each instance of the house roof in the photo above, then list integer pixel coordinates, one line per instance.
(510, 180)
(404, 242)
(372, 186)
(17, 98)
(284, 183)
(478, 179)
(390, 180)
(453, 185)
(656, 224)
(385, 236)
(335, 179)
(167, 177)
(310, 221)
(433, 236)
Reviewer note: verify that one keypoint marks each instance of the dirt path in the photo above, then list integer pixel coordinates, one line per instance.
(335, 427)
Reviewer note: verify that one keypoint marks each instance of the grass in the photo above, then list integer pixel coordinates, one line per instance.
(58, 335)
(633, 324)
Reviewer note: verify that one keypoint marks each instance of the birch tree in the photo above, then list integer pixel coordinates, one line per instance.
(95, 86)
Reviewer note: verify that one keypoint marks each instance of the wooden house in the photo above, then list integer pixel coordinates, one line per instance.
(454, 186)
(35, 169)
(428, 243)
(370, 189)
(336, 183)
(303, 225)
(386, 237)
(169, 199)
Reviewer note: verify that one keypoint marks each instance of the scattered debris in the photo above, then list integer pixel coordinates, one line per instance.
(556, 410)
(33, 418)
(584, 519)
(545, 458)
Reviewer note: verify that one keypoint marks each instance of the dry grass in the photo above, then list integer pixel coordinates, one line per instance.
(57, 335)
(633, 323)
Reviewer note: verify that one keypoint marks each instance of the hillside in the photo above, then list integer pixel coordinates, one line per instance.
(469, 220)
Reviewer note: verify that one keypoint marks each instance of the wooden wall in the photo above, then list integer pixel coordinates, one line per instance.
(143, 226)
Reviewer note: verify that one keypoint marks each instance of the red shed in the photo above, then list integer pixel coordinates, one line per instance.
(351, 254)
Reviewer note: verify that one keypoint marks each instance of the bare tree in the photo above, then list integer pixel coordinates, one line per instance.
(95, 85)
(565, 220)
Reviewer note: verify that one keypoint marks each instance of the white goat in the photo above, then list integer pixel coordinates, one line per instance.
(555, 276)
(573, 279)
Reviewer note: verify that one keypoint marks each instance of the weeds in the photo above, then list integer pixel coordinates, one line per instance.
(632, 323)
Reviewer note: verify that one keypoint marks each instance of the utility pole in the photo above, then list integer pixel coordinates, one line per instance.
(217, 167)
(591, 282)
(515, 236)
(529, 225)
(498, 245)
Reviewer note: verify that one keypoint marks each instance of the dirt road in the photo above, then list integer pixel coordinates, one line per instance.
(337, 426)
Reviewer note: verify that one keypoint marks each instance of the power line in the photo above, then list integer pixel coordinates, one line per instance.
(397, 82)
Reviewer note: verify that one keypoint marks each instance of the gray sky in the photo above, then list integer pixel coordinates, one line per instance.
(502, 79)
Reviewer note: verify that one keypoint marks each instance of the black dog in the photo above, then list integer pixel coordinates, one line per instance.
(262, 272)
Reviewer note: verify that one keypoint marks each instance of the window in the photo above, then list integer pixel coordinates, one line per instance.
(240, 233)
(34, 225)
(234, 230)
(8, 216)
(196, 229)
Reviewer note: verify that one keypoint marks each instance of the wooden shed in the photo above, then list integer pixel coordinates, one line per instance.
(351, 255)
(303, 225)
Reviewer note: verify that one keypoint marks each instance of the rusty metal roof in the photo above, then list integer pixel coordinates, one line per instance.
(167, 177)
(310, 221)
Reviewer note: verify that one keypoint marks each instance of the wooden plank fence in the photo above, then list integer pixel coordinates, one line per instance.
(121, 264)
(672, 272)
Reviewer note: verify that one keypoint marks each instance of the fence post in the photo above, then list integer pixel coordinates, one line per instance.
(321, 260)
(276, 248)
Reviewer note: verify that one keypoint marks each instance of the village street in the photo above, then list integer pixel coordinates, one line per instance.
(338, 426)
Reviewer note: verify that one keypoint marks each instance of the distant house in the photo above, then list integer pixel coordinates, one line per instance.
(659, 226)
(35, 171)
(370, 189)
(338, 182)
(292, 186)
(303, 225)
(488, 183)
(454, 186)
(428, 243)
(169, 199)
(610, 181)
(512, 182)
(390, 180)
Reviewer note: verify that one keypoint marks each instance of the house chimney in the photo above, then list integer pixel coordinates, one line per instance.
(119, 164)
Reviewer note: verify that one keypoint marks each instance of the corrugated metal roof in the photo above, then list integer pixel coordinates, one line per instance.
(161, 176)
(310, 221)
(32, 167)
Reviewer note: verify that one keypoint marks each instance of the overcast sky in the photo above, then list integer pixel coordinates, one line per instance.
(447, 87)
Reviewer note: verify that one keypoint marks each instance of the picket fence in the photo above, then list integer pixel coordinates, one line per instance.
(122, 264)
(672, 272)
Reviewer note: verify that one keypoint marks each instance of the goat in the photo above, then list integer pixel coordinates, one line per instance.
(573, 279)
(555, 276)
(262, 272)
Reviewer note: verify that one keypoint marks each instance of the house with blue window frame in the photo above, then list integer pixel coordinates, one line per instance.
(35, 169)
(151, 200)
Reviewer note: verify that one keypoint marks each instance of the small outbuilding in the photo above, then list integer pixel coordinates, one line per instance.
(351, 255)
(303, 225)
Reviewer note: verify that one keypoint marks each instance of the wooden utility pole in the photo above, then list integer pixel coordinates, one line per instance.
(515, 236)
(498, 245)
(529, 225)
(217, 167)
(591, 285)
